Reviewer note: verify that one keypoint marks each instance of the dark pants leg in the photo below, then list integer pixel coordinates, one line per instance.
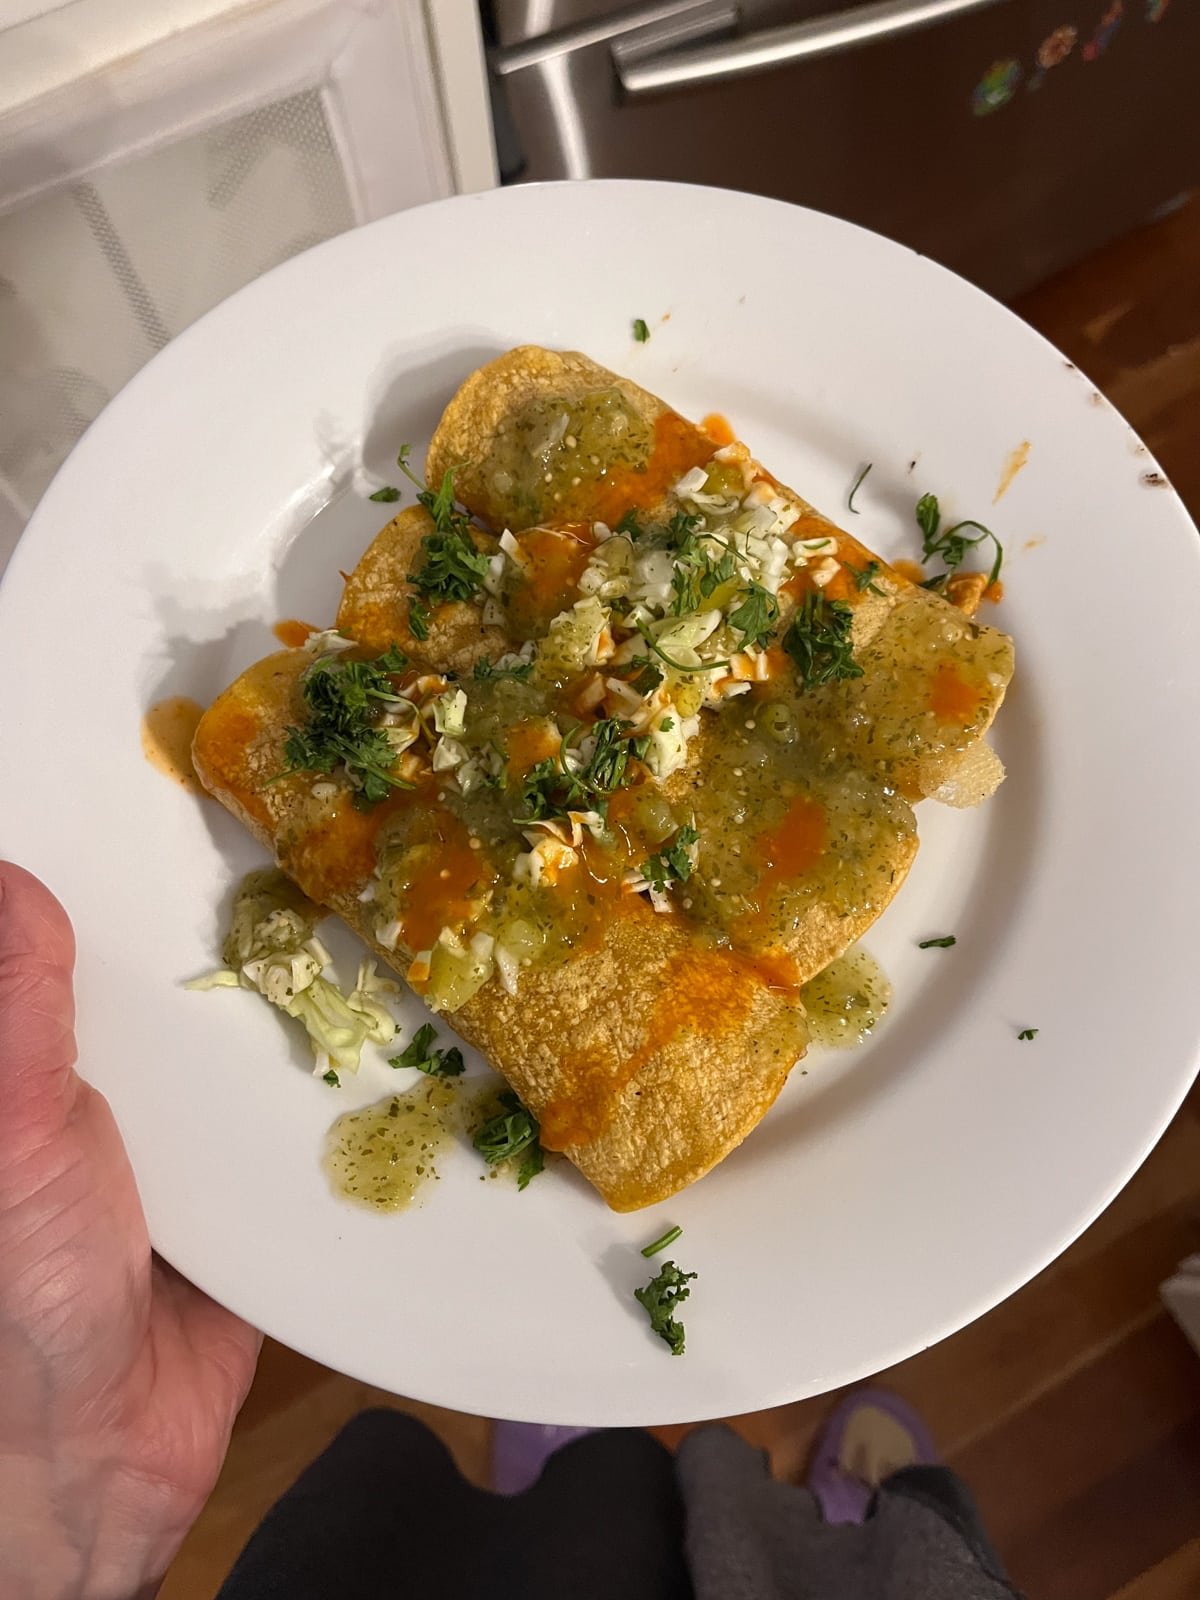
(938, 1489)
(383, 1514)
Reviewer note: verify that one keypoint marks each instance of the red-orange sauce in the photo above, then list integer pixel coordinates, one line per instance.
(339, 855)
(840, 587)
(912, 570)
(440, 892)
(1015, 461)
(223, 747)
(718, 429)
(168, 729)
(678, 446)
(554, 563)
(951, 697)
(994, 591)
(292, 632)
(789, 849)
(528, 743)
(703, 991)
(780, 970)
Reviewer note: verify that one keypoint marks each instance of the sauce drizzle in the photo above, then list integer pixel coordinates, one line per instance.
(168, 729)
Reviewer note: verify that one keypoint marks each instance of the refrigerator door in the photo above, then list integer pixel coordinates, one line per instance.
(1005, 138)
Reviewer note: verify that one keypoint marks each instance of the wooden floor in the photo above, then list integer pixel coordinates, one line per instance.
(1073, 1410)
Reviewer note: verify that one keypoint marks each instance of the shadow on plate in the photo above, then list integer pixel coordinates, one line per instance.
(211, 633)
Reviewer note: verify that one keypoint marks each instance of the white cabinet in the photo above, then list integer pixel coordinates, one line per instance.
(155, 155)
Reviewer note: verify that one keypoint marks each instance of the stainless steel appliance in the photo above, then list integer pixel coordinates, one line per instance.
(1005, 138)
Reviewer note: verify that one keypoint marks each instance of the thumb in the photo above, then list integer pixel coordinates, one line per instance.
(37, 1011)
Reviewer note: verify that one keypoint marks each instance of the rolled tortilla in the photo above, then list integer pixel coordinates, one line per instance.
(646, 1055)
(647, 1045)
(549, 436)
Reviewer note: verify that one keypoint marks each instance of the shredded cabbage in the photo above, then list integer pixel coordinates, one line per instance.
(272, 948)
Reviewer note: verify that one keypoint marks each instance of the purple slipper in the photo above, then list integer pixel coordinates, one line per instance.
(841, 1496)
(521, 1449)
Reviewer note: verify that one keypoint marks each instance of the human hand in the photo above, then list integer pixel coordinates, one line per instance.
(119, 1381)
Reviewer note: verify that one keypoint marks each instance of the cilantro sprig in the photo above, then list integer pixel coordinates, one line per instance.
(951, 544)
(676, 666)
(420, 1053)
(453, 568)
(697, 576)
(819, 642)
(553, 789)
(674, 864)
(661, 1298)
(488, 672)
(513, 1131)
(864, 577)
(661, 1243)
(344, 700)
(755, 616)
(856, 486)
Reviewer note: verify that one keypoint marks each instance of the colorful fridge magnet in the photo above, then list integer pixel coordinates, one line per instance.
(1052, 52)
(1155, 9)
(1102, 38)
(997, 87)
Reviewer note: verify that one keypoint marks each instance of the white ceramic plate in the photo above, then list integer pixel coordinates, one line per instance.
(894, 1193)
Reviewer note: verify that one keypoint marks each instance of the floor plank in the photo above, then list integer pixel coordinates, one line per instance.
(1177, 1577)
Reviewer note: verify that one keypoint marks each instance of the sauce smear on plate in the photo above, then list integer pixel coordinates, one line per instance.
(380, 1156)
(167, 732)
(846, 1000)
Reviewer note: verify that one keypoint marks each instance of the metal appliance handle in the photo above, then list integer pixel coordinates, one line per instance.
(690, 15)
(780, 47)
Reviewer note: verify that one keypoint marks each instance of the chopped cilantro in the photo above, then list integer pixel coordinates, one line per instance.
(864, 577)
(487, 671)
(420, 1053)
(418, 620)
(629, 525)
(951, 545)
(661, 1243)
(755, 617)
(944, 943)
(818, 641)
(606, 770)
(552, 789)
(649, 678)
(697, 576)
(532, 1162)
(676, 666)
(667, 723)
(660, 1299)
(672, 865)
(681, 526)
(509, 1133)
(386, 495)
(640, 331)
(546, 791)
(331, 1077)
(453, 568)
(857, 485)
(1029, 1033)
(344, 699)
